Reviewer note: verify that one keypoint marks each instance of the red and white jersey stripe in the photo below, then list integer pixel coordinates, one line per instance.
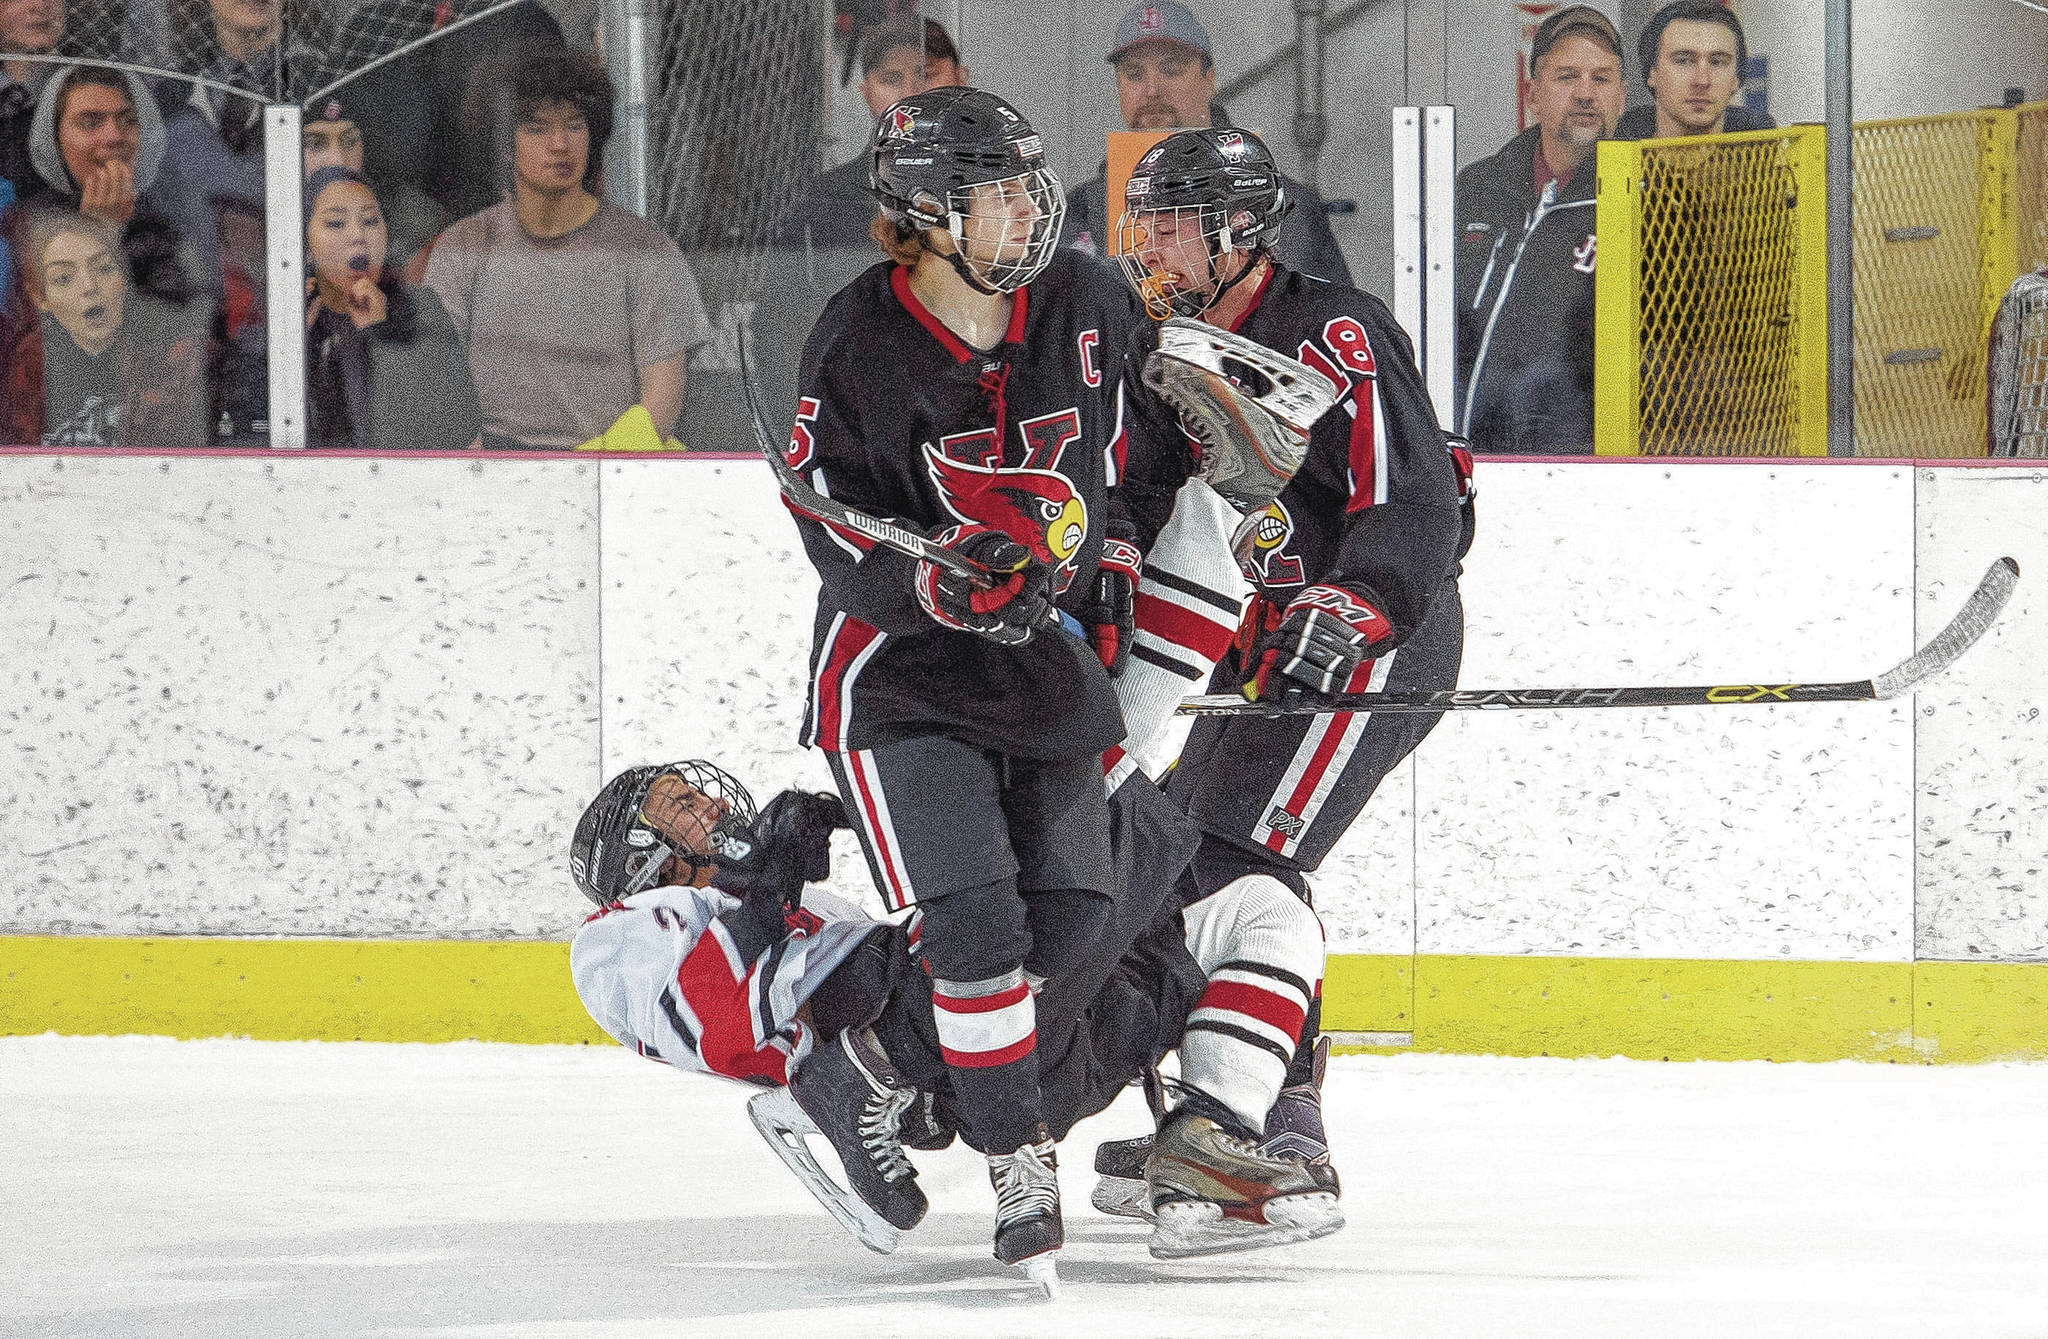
(659, 974)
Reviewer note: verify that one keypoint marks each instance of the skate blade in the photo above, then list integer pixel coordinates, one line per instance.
(783, 1124)
(1187, 1228)
(1122, 1197)
(1044, 1271)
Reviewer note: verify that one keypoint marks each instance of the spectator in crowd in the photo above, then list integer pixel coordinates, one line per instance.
(1693, 54)
(898, 59)
(1166, 80)
(574, 311)
(27, 27)
(427, 115)
(104, 366)
(331, 135)
(97, 144)
(1526, 250)
(383, 365)
(214, 139)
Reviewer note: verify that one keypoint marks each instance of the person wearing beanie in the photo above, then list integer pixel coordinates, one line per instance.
(384, 367)
(334, 133)
(1527, 250)
(1693, 54)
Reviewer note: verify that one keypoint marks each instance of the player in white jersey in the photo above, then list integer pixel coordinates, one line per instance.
(705, 954)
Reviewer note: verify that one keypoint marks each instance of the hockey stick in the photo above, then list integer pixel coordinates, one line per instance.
(818, 507)
(1947, 646)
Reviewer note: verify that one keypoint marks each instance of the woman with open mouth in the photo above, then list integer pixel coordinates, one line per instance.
(105, 363)
(384, 366)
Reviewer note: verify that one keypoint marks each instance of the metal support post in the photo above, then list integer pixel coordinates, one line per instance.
(1439, 349)
(625, 59)
(1841, 234)
(1409, 275)
(1311, 127)
(284, 252)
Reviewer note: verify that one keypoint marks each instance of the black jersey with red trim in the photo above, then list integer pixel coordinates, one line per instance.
(1382, 503)
(900, 419)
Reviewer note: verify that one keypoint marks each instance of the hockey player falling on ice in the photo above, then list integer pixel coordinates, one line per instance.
(1354, 565)
(705, 953)
(972, 387)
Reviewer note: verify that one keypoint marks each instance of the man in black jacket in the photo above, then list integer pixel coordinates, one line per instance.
(1526, 250)
(1693, 55)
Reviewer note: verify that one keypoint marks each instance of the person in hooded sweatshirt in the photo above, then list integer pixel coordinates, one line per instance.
(104, 365)
(97, 143)
(384, 366)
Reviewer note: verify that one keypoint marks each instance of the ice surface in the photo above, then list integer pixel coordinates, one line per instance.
(232, 1188)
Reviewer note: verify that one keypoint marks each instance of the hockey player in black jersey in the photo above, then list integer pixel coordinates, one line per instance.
(972, 386)
(1354, 565)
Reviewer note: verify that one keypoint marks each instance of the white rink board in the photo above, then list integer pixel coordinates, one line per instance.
(708, 607)
(384, 679)
(309, 696)
(1717, 832)
(1983, 759)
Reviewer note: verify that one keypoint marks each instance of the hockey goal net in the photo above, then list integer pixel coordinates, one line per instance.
(2017, 423)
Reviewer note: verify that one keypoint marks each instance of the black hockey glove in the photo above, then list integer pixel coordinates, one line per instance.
(1007, 612)
(767, 863)
(1326, 638)
(1111, 617)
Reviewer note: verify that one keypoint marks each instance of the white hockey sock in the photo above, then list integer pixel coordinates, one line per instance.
(1263, 951)
(1188, 603)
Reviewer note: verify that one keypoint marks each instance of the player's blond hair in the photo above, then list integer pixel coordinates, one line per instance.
(901, 242)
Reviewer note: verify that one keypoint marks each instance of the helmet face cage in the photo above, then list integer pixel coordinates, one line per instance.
(1006, 231)
(1169, 257)
(654, 826)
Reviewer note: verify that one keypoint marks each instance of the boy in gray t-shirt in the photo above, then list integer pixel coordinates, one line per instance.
(573, 309)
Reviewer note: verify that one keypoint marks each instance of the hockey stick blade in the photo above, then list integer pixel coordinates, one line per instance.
(818, 507)
(784, 1125)
(1971, 622)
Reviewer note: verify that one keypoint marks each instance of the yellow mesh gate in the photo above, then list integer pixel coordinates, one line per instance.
(2030, 185)
(1711, 311)
(1711, 296)
(1934, 255)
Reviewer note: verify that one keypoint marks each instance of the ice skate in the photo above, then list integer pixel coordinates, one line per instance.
(1120, 1177)
(848, 1092)
(1028, 1227)
(1120, 1163)
(1213, 1190)
(1294, 1127)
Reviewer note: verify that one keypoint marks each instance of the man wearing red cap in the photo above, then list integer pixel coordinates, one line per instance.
(1166, 80)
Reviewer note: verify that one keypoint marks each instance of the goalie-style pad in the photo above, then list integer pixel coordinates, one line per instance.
(1251, 408)
(784, 1125)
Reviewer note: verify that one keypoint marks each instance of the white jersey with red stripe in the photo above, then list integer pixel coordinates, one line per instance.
(661, 975)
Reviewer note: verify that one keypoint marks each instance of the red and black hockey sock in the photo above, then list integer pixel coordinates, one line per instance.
(988, 1036)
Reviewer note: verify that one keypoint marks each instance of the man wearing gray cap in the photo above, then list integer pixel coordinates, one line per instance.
(1165, 80)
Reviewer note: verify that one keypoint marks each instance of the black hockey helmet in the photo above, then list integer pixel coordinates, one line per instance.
(930, 153)
(1217, 182)
(656, 825)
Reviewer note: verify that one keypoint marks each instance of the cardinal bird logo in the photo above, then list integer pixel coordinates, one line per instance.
(1037, 508)
(902, 121)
